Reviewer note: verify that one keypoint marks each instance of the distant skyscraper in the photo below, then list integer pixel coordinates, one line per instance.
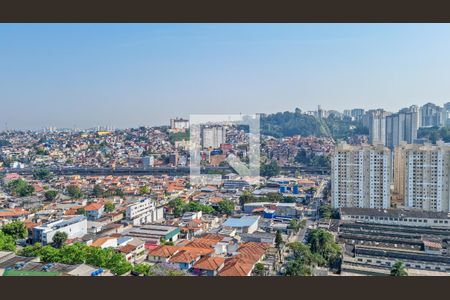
(431, 115)
(401, 126)
(357, 113)
(421, 176)
(347, 112)
(377, 126)
(360, 176)
(446, 114)
(320, 112)
(213, 136)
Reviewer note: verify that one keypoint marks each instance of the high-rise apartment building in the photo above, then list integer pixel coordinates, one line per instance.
(421, 176)
(377, 126)
(357, 113)
(431, 115)
(361, 176)
(446, 114)
(213, 136)
(401, 126)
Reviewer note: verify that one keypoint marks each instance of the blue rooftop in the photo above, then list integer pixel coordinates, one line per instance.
(245, 221)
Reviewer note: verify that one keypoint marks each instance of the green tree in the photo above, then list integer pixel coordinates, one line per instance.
(74, 191)
(59, 239)
(20, 187)
(31, 250)
(98, 191)
(303, 253)
(109, 207)
(178, 207)
(270, 170)
(17, 230)
(142, 268)
(42, 174)
(49, 254)
(225, 207)
(322, 243)
(398, 269)
(294, 225)
(259, 269)
(297, 268)
(325, 211)
(197, 206)
(144, 190)
(50, 195)
(118, 264)
(279, 243)
(7, 242)
(119, 193)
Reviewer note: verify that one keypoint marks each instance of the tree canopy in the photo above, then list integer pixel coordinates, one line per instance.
(398, 269)
(20, 187)
(74, 191)
(59, 239)
(80, 253)
(7, 242)
(50, 195)
(15, 229)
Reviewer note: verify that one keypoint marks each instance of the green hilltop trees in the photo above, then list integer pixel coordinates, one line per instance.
(20, 188)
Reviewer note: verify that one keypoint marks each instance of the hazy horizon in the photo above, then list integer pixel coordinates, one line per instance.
(129, 75)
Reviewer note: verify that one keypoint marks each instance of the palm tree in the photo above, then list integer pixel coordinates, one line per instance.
(398, 269)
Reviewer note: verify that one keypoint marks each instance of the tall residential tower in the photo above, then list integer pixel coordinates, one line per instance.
(361, 176)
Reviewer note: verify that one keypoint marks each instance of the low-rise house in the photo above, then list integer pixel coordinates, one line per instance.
(105, 242)
(208, 266)
(242, 264)
(94, 210)
(13, 214)
(187, 256)
(162, 253)
(134, 250)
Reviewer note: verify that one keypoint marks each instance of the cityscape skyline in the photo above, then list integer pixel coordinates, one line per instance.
(89, 75)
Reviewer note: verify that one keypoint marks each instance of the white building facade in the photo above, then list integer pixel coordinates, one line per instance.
(422, 176)
(144, 211)
(361, 176)
(75, 227)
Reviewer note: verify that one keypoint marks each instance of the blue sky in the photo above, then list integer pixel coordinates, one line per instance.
(129, 75)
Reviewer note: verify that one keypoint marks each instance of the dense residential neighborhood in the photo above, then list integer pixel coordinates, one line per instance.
(110, 202)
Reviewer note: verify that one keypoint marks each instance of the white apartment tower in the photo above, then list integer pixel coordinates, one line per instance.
(421, 176)
(213, 136)
(377, 126)
(360, 176)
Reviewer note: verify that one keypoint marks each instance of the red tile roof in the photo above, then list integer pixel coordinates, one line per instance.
(13, 212)
(236, 267)
(164, 251)
(94, 206)
(209, 263)
(186, 255)
(127, 248)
